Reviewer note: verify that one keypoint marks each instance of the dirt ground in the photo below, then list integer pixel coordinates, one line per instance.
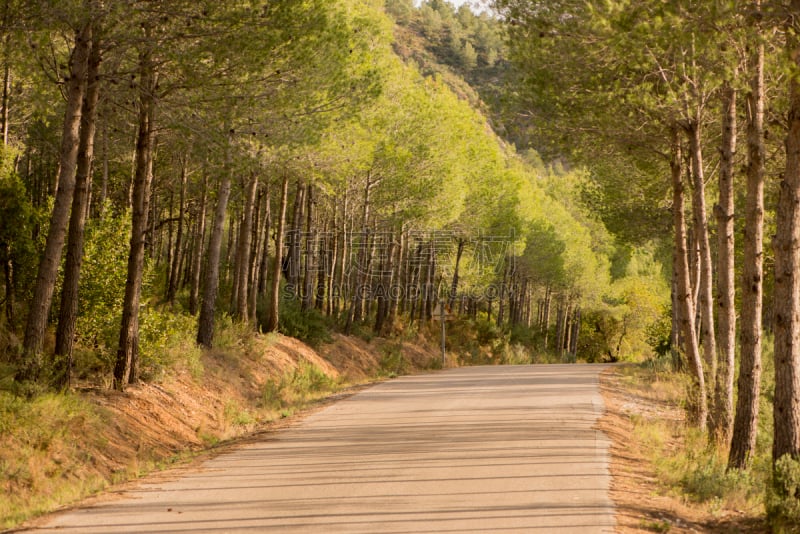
(643, 504)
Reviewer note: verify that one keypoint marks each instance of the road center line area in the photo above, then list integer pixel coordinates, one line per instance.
(476, 449)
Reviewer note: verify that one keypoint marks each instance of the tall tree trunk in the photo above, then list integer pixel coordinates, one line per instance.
(699, 402)
(68, 312)
(243, 255)
(177, 257)
(264, 267)
(197, 257)
(104, 181)
(700, 220)
(745, 425)
(294, 240)
(8, 270)
(454, 285)
(323, 268)
(48, 267)
(308, 265)
(548, 297)
(273, 311)
(6, 92)
(722, 419)
(787, 274)
(259, 235)
(385, 284)
(126, 370)
(208, 303)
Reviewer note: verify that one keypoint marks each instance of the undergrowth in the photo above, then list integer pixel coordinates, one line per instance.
(296, 388)
(686, 463)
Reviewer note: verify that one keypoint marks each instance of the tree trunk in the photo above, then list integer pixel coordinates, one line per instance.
(294, 240)
(308, 265)
(48, 267)
(323, 268)
(700, 220)
(745, 426)
(699, 402)
(126, 370)
(199, 247)
(68, 312)
(258, 236)
(273, 311)
(722, 419)
(787, 276)
(104, 182)
(243, 255)
(385, 285)
(264, 267)
(454, 285)
(177, 257)
(208, 302)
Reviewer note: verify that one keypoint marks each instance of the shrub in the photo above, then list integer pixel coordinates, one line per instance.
(294, 389)
(783, 496)
(310, 326)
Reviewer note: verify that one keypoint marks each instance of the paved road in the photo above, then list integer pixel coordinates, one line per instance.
(480, 449)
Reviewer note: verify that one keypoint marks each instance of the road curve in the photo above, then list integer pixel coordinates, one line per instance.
(477, 449)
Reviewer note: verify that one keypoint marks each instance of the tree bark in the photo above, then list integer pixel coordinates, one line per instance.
(205, 323)
(245, 236)
(787, 276)
(177, 256)
(722, 419)
(48, 267)
(197, 257)
(745, 426)
(8, 271)
(454, 285)
(273, 311)
(294, 240)
(308, 266)
(705, 301)
(264, 267)
(68, 311)
(699, 403)
(126, 370)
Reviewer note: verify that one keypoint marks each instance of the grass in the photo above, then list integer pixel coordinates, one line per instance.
(686, 463)
(42, 462)
(297, 389)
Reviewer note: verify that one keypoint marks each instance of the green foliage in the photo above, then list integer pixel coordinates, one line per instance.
(783, 496)
(296, 388)
(310, 326)
(165, 339)
(659, 331)
(392, 362)
(102, 283)
(17, 221)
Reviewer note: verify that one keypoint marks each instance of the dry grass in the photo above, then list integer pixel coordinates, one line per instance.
(666, 478)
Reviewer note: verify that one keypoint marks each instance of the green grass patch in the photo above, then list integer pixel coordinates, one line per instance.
(297, 388)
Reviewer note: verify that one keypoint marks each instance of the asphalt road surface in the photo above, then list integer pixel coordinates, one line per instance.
(478, 449)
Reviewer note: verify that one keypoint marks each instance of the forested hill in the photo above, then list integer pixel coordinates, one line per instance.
(464, 48)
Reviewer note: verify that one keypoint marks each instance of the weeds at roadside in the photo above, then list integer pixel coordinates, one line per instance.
(296, 389)
(684, 461)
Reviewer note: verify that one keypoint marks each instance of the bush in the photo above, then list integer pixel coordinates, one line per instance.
(310, 326)
(294, 389)
(392, 362)
(166, 338)
(783, 497)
